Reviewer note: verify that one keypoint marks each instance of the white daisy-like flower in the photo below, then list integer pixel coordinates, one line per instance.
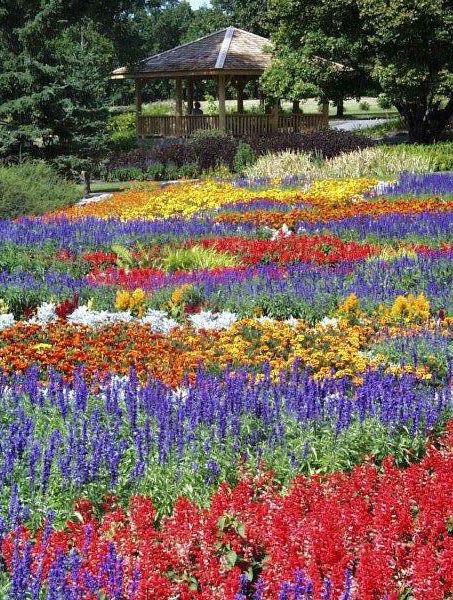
(159, 321)
(329, 322)
(6, 320)
(83, 315)
(212, 321)
(45, 314)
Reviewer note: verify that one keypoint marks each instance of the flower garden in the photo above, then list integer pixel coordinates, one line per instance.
(230, 390)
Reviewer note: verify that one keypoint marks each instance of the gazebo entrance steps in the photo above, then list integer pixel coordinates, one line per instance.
(239, 125)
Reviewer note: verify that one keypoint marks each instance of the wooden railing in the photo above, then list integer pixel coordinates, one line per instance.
(240, 125)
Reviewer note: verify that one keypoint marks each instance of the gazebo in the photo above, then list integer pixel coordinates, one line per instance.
(230, 55)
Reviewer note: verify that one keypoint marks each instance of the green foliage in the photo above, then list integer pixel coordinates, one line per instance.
(33, 188)
(211, 105)
(384, 102)
(397, 47)
(245, 157)
(440, 155)
(122, 131)
(190, 259)
(364, 106)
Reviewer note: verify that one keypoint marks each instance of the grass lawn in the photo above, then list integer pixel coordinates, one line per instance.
(104, 187)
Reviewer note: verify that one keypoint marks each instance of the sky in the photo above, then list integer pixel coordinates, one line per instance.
(198, 3)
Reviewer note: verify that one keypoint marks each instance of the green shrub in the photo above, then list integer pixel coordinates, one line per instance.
(122, 130)
(381, 161)
(245, 157)
(200, 135)
(364, 105)
(33, 188)
(157, 109)
(190, 259)
(189, 171)
(440, 155)
(383, 102)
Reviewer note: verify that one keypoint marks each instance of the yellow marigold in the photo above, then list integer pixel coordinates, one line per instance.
(122, 300)
(409, 309)
(350, 305)
(137, 297)
(179, 293)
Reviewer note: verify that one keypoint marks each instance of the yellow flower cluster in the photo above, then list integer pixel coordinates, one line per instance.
(179, 293)
(186, 199)
(327, 351)
(132, 301)
(339, 191)
(408, 310)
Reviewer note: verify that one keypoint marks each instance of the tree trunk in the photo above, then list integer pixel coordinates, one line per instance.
(87, 183)
(425, 125)
(340, 108)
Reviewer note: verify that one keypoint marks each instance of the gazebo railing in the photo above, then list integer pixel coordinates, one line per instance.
(239, 125)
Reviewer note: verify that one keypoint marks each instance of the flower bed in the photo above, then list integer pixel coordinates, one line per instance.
(230, 392)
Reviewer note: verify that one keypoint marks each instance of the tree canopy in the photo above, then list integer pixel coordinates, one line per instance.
(402, 48)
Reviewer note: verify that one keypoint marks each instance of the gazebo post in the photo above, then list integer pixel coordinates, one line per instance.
(189, 95)
(178, 106)
(138, 104)
(274, 115)
(240, 84)
(222, 103)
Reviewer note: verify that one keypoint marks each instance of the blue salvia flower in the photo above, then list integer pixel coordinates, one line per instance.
(244, 586)
(347, 594)
(285, 591)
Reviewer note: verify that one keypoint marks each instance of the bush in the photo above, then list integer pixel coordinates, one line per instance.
(382, 162)
(210, 150)
(34, 188)
(281, 165)
(384, 102)
(213, 147)
(440, 155)
(364, 105)
(122, 130)
(245, 157)
(326, 143)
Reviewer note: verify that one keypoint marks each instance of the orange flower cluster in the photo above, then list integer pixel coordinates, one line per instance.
(323, 211)
(337, 348)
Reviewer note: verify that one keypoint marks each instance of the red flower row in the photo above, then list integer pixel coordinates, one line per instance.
(294, 248)
(390, 527)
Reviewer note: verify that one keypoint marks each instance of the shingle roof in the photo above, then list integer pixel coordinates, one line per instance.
(227, 50)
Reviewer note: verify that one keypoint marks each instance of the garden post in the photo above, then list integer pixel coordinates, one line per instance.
(240, 97)
(325, 111)
(222, 103)
(274, 116)
(138, 105)
(178, 107)
(189, 95)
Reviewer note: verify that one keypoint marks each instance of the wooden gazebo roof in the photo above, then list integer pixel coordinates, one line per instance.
(230, 51)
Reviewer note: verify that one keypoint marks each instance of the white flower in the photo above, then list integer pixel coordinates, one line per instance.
(329, 322)
(6, 320)
(292, 322)
(281, 233)
(86, 316)
(212, 321)
(159, 321)
(265, 320)
(45, 314)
